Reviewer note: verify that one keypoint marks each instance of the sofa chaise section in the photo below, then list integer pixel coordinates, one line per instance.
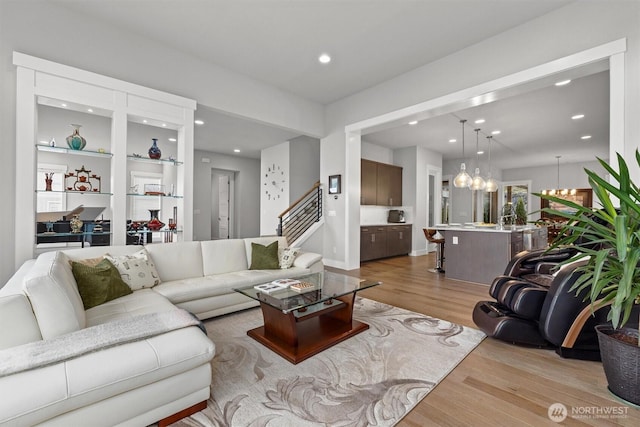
(146, 380)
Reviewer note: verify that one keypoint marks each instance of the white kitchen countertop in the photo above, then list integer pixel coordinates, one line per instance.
(485, 229)
(384, 224)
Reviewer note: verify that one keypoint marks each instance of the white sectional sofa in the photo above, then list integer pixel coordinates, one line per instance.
(117, 379)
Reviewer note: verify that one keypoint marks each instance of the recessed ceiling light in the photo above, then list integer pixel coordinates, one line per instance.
(144, 121)
(496, 132)
(479, 121)
(198, 122)
(172, 139)
(480, 152)
(452, 140)
(236, 150)
(585, 137)
(577, 116)
(563, 82)
(90, 110)
(63, 105)
(164, 125)
(413, 122)
(324, 58)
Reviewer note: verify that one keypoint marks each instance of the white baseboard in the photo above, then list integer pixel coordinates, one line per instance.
(334, 263)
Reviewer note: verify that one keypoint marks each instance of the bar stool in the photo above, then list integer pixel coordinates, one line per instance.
(430, 234)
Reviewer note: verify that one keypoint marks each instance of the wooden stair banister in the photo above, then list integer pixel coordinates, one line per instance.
(300, 199)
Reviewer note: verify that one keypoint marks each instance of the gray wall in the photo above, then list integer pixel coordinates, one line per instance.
(246, 194)
(571, 175)
(304, 165)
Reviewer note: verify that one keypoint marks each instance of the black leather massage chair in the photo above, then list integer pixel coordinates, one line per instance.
(533, 306)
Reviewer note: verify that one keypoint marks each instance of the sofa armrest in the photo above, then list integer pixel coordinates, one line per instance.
(306, 259)
(76, 383)
(18, 324)
(78, 343)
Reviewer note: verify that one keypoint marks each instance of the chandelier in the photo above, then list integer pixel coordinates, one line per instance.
(558, 191)
(477, 182)
(491, 184)
(463, 179)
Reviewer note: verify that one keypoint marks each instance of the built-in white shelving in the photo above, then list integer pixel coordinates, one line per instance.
(44, 83)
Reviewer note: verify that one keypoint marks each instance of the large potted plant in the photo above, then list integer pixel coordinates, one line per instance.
(610, 235)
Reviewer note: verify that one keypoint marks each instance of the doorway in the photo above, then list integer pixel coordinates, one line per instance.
(434, 194)
(222, 204)
(513, 194)
(612, 52)
(434, 199)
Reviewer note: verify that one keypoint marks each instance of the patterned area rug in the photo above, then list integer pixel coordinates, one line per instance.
(371, 379)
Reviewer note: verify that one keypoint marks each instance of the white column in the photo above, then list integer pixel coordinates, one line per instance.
(25, 203)
(119, 123)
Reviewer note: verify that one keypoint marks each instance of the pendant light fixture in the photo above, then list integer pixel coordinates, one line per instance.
(477, 182)
(558, 191)
(492, 185)
(463, 179)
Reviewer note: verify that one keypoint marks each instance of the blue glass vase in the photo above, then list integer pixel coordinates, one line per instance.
(154, 151)
(75, 141)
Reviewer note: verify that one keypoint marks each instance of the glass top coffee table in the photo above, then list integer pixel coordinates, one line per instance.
(298, 325)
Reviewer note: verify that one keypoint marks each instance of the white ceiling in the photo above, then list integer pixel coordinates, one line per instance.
(535, 126)
(278, 42)
(223, 133)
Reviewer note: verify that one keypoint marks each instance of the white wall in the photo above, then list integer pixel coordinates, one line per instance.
(332, 162)
(376, 153)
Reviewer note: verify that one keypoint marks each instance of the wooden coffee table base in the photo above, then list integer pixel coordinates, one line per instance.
(297, 338)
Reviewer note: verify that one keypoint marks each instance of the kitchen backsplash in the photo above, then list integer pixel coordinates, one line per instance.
(376, 215)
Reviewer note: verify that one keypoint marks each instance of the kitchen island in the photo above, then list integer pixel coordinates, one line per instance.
(479, 254)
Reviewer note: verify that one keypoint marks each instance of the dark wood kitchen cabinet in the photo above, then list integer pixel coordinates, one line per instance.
(373, 243)
(368, 182)
(389, 190)
(384, 241)
(398, 240)
(381, 184)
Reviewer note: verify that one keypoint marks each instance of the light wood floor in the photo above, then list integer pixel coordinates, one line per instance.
(498, 384)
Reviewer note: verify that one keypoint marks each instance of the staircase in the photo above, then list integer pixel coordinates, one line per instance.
(303, 215)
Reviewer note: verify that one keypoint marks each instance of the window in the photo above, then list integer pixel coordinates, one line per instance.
(512, 193)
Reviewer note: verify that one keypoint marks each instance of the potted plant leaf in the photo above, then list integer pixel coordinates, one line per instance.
(610, 235)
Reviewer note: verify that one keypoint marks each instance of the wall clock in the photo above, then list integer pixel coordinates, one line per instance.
(274, 182)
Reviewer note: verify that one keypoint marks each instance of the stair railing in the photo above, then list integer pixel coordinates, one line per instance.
(301, 215)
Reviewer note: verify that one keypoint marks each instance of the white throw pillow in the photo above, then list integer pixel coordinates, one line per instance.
(137, 270)
(287, 256)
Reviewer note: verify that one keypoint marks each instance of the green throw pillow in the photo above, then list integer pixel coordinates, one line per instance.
(264, 257)
(99, 284)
